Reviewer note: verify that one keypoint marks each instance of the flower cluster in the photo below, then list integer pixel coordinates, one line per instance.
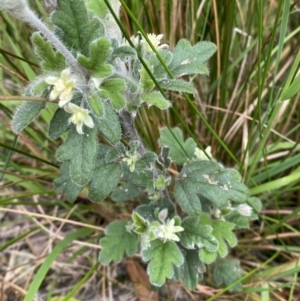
(167, 231)
(63, 88)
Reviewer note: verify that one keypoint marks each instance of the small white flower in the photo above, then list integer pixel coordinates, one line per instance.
(79, 117)
(244, 210)
(131, 161)
(62, 87)
(167, 231)
(200, 155)
(155, 41)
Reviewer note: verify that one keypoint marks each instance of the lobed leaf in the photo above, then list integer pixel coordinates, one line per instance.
(188, 59)
(96, 62)
(163, 257)
(50, 60)
(112, 89)
(222, 231)
(207, 179)
(118, 241)
(198, 233)
(180, 151)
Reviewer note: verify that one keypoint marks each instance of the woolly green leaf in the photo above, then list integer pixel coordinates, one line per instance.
(188, 59)
(109, 124)
(146, 82)
(223, 232)
(112, 89)
(162, 257)
(208, 180)
(191, 271)
(26, 113)
(226, 271)
(180, 151)
(104, 180)
(77, 30)
(66, 185)
(37, 87)
(126, 192)
(177, 85)
(99, 52)
(50, 60)
(118, 241)
(206, 256)
(58, 124)
(159, 72)
(198, 232)
(142, 178)
(156, 99)
(116, 153)
(81, 150)
(95, 103)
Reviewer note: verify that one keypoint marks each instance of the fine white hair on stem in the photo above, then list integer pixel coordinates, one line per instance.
(21, 10)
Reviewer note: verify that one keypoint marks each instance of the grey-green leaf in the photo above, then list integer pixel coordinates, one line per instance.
(188, 59)
(126, 192)
(77, 29)
(104, 180)
(163, 257)
(66, 185)
(58, 124)
(209, 180)
(198, 233)
(156, 99)
(109, 124)
(117, 242)
(177, 85)
(50, 59)
(192, 269)
(180, 151)
(226, 271)
(96, 61)
(26, 113)
(81, 150)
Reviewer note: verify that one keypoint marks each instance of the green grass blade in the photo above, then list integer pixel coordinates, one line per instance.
(44, 268)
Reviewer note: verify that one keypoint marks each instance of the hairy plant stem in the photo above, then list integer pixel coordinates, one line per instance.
(130, 132)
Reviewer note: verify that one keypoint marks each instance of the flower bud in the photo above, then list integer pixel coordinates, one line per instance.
(244, 210)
